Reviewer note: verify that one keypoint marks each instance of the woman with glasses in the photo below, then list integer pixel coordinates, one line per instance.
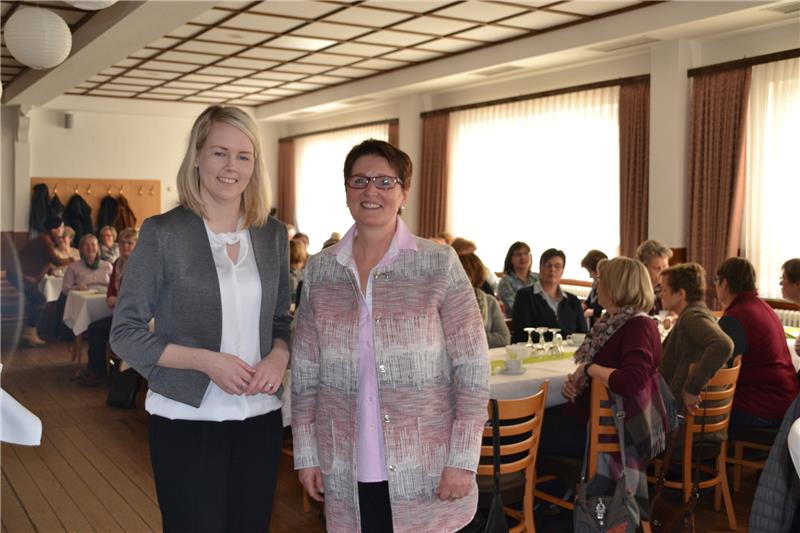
(517, 269)
(767, 381)
(545, 304)
(389, 367)
(213, 273)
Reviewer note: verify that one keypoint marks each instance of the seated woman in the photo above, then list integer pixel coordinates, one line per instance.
(496, 330)
(767, 381)
(64, 249)
(790, 288)
(517, 268)
(623, 351)
(591, 307)
(109, 249)
(545, 304)
(655, 256)
(694, 339)
(464, 246)
(99, 330)
(90, 272)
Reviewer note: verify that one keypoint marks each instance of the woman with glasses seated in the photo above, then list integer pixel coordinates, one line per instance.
(767, 381)
(545, 304)
(390, 375)
(518, 275)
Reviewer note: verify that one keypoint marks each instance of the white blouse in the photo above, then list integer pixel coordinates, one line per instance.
(240, 291)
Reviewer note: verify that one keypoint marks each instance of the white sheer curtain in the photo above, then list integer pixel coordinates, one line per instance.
(544, 171)
(319, 160)
(770, 222)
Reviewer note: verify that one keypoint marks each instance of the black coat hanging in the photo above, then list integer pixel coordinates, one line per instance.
(78, 214)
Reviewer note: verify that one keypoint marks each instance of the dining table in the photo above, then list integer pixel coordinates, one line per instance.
(51, 287)
(536, 368)
(83, 308)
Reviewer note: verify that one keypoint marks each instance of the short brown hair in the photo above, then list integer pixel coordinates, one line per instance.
(474, 268)
(460, 244)
(792, 270)
(396, 158)
(690, 277)
(589, 262)
(627, 282)
(739, 273)
(297, 252)
(129, 234)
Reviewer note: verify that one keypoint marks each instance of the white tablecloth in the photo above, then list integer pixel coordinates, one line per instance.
(83, 308)
(509, 387)
(51, 287)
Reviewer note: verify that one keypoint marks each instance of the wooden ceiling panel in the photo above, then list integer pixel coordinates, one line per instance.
(491, 33)
(304, 10)
(393, 38)
(300, 43)
(376, 17)
(480, 11)
(241, 62)
(329, 59)
(435, 26)
(302, 68)
(326, 30)
(274, 54)
(361, 50)
(235, 36)
(210, 48)
(539, 20)
(188, 57)
(274, 75)
(595, 7)
(262, 23)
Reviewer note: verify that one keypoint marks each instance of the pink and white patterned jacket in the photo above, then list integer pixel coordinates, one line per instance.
(433, 379)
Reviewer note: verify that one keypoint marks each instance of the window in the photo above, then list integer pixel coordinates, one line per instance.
(319, 160)
(769, 225)
(544, 171)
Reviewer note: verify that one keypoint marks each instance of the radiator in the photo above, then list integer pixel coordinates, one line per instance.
(789, 317)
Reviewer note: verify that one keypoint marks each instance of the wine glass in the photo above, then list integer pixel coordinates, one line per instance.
(529, 331)
(555, 347)
(541, 332)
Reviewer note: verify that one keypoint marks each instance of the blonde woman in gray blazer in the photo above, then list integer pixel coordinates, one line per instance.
(213, 273)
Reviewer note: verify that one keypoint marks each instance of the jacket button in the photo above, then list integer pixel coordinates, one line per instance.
(387, 418)
(382, 369)
(377, 319)
(392, 468)
(377, 276)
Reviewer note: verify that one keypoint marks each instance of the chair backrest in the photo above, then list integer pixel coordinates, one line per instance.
(716, 403)
(602, 430)
(520, 430)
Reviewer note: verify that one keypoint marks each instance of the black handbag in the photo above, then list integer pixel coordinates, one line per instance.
(617, 512)
(124, 386)
(494, 520)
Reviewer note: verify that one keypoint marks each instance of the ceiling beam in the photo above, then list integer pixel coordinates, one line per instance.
(112, 35)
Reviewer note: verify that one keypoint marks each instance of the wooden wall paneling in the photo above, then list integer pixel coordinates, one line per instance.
(93, 190)
(145, 198)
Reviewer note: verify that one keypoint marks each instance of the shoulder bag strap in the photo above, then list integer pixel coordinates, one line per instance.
(496, 445)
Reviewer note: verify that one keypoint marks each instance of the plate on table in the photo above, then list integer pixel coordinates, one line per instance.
(507, 371)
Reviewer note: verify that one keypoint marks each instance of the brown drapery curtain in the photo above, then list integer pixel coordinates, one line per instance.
(634, 164)
(716, 167)
(433, 175)
(394, 133)
(286, 191)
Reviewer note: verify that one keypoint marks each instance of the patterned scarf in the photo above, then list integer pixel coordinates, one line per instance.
(93, 266)
(646, 417)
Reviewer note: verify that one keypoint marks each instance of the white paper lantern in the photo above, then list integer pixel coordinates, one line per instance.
(91, 5)
(38, 38)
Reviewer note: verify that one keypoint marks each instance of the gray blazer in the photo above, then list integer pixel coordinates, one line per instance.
(171, 277)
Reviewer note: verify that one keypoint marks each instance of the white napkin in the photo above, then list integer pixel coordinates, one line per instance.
(17, 424)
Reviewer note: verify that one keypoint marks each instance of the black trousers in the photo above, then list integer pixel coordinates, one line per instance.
(98, 332)
(375, 507)
(216, 476)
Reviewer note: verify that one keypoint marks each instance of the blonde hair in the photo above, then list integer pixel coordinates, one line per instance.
(112, 229)
(256, 197)
(129, 234)
(626, 282)
(69, 232)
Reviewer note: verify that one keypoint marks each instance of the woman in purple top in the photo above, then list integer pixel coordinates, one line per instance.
(389, 367)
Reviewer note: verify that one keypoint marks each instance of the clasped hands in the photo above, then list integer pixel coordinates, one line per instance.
(234, 376)
(575, 384)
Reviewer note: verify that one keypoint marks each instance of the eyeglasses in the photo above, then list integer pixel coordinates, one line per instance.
(521, 254)
(384, 183)
(553, 266)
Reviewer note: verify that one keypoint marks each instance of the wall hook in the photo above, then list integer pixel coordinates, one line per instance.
(108, 191)
(88, 190)
(55, 189)
(76, 189)
(140, 189)
(152, 192)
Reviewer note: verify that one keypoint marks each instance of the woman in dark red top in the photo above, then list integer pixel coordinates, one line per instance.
(767, 381)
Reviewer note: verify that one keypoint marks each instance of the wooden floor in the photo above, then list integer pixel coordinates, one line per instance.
(92, 470)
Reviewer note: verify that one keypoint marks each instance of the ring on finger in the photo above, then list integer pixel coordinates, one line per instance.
(269, 385)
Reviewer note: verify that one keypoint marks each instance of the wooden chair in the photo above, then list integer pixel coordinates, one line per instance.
(719, 393)
(749, 438)
(602, 439)
(520, 429)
